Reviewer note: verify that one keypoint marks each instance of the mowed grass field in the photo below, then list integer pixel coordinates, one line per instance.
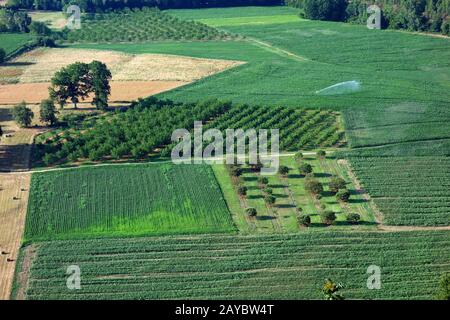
(128, 200)
(243, 267)
(12, 42)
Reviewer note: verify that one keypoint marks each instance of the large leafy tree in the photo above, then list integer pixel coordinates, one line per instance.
(72, 82)
(99, 77)
(48, 112)
(22, 114)
(333, 10)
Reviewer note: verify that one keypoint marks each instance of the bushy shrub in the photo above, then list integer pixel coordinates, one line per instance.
(263, 180)
(353, 218)
(242, 190)
(313, 186)
(328, 217)
(305, 168)
(270, 199)
(283, 170)
(343, 195)
(336, 184)
(251, 212)
(304, 220)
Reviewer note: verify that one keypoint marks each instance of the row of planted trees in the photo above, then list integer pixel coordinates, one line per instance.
(337, 187)
(236, 172)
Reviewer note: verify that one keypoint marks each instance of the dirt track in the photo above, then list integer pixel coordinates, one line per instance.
(14, 200)
(14, 189)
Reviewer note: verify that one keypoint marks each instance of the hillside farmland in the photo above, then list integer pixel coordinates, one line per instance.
(367, 110)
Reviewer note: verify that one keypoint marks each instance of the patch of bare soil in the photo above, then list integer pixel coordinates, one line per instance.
(23, 276)
(14, 191)
(121, 91)
(41, 64)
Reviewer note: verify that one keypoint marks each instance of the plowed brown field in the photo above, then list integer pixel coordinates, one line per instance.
(121, 91)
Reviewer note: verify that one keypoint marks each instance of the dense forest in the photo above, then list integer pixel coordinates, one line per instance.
(414, 15)
(102, 5)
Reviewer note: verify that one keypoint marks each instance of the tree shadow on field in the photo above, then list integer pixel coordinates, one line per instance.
(5, 115)
(322, 175)
(295, 176)
(276, 186)
(285, 206)
(12, 157)
(280, 195)
(250, 178)
(357, 201)
(255, 197)
(265, 218)
(17, 64)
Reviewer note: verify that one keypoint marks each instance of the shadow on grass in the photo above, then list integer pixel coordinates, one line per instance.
(276, 186)
(255, 197)
(361, 223)
(357, 201)
(282, 196)
(17, 64)
(265, 218)
(322, 175)
(284, 206)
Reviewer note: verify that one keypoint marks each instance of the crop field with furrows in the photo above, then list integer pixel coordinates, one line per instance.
(234, 267)
(408, 190)
(139, 26)
(125, 200)
(299, 129)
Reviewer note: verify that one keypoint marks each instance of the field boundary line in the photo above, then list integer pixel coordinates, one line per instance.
(379, 216)
(278, 51)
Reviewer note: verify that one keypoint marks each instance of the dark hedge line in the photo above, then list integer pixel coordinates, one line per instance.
(414, 15)
(102, 5)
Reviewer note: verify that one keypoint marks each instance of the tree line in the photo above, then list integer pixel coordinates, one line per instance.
(102, 5)
(414, 15)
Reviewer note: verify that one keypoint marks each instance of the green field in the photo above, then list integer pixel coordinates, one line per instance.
(401, 109)
(12, 42)
(408, 190)
(125, 200)
(243, 267)
(391, 99)
(289, 62)
(291, 196)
